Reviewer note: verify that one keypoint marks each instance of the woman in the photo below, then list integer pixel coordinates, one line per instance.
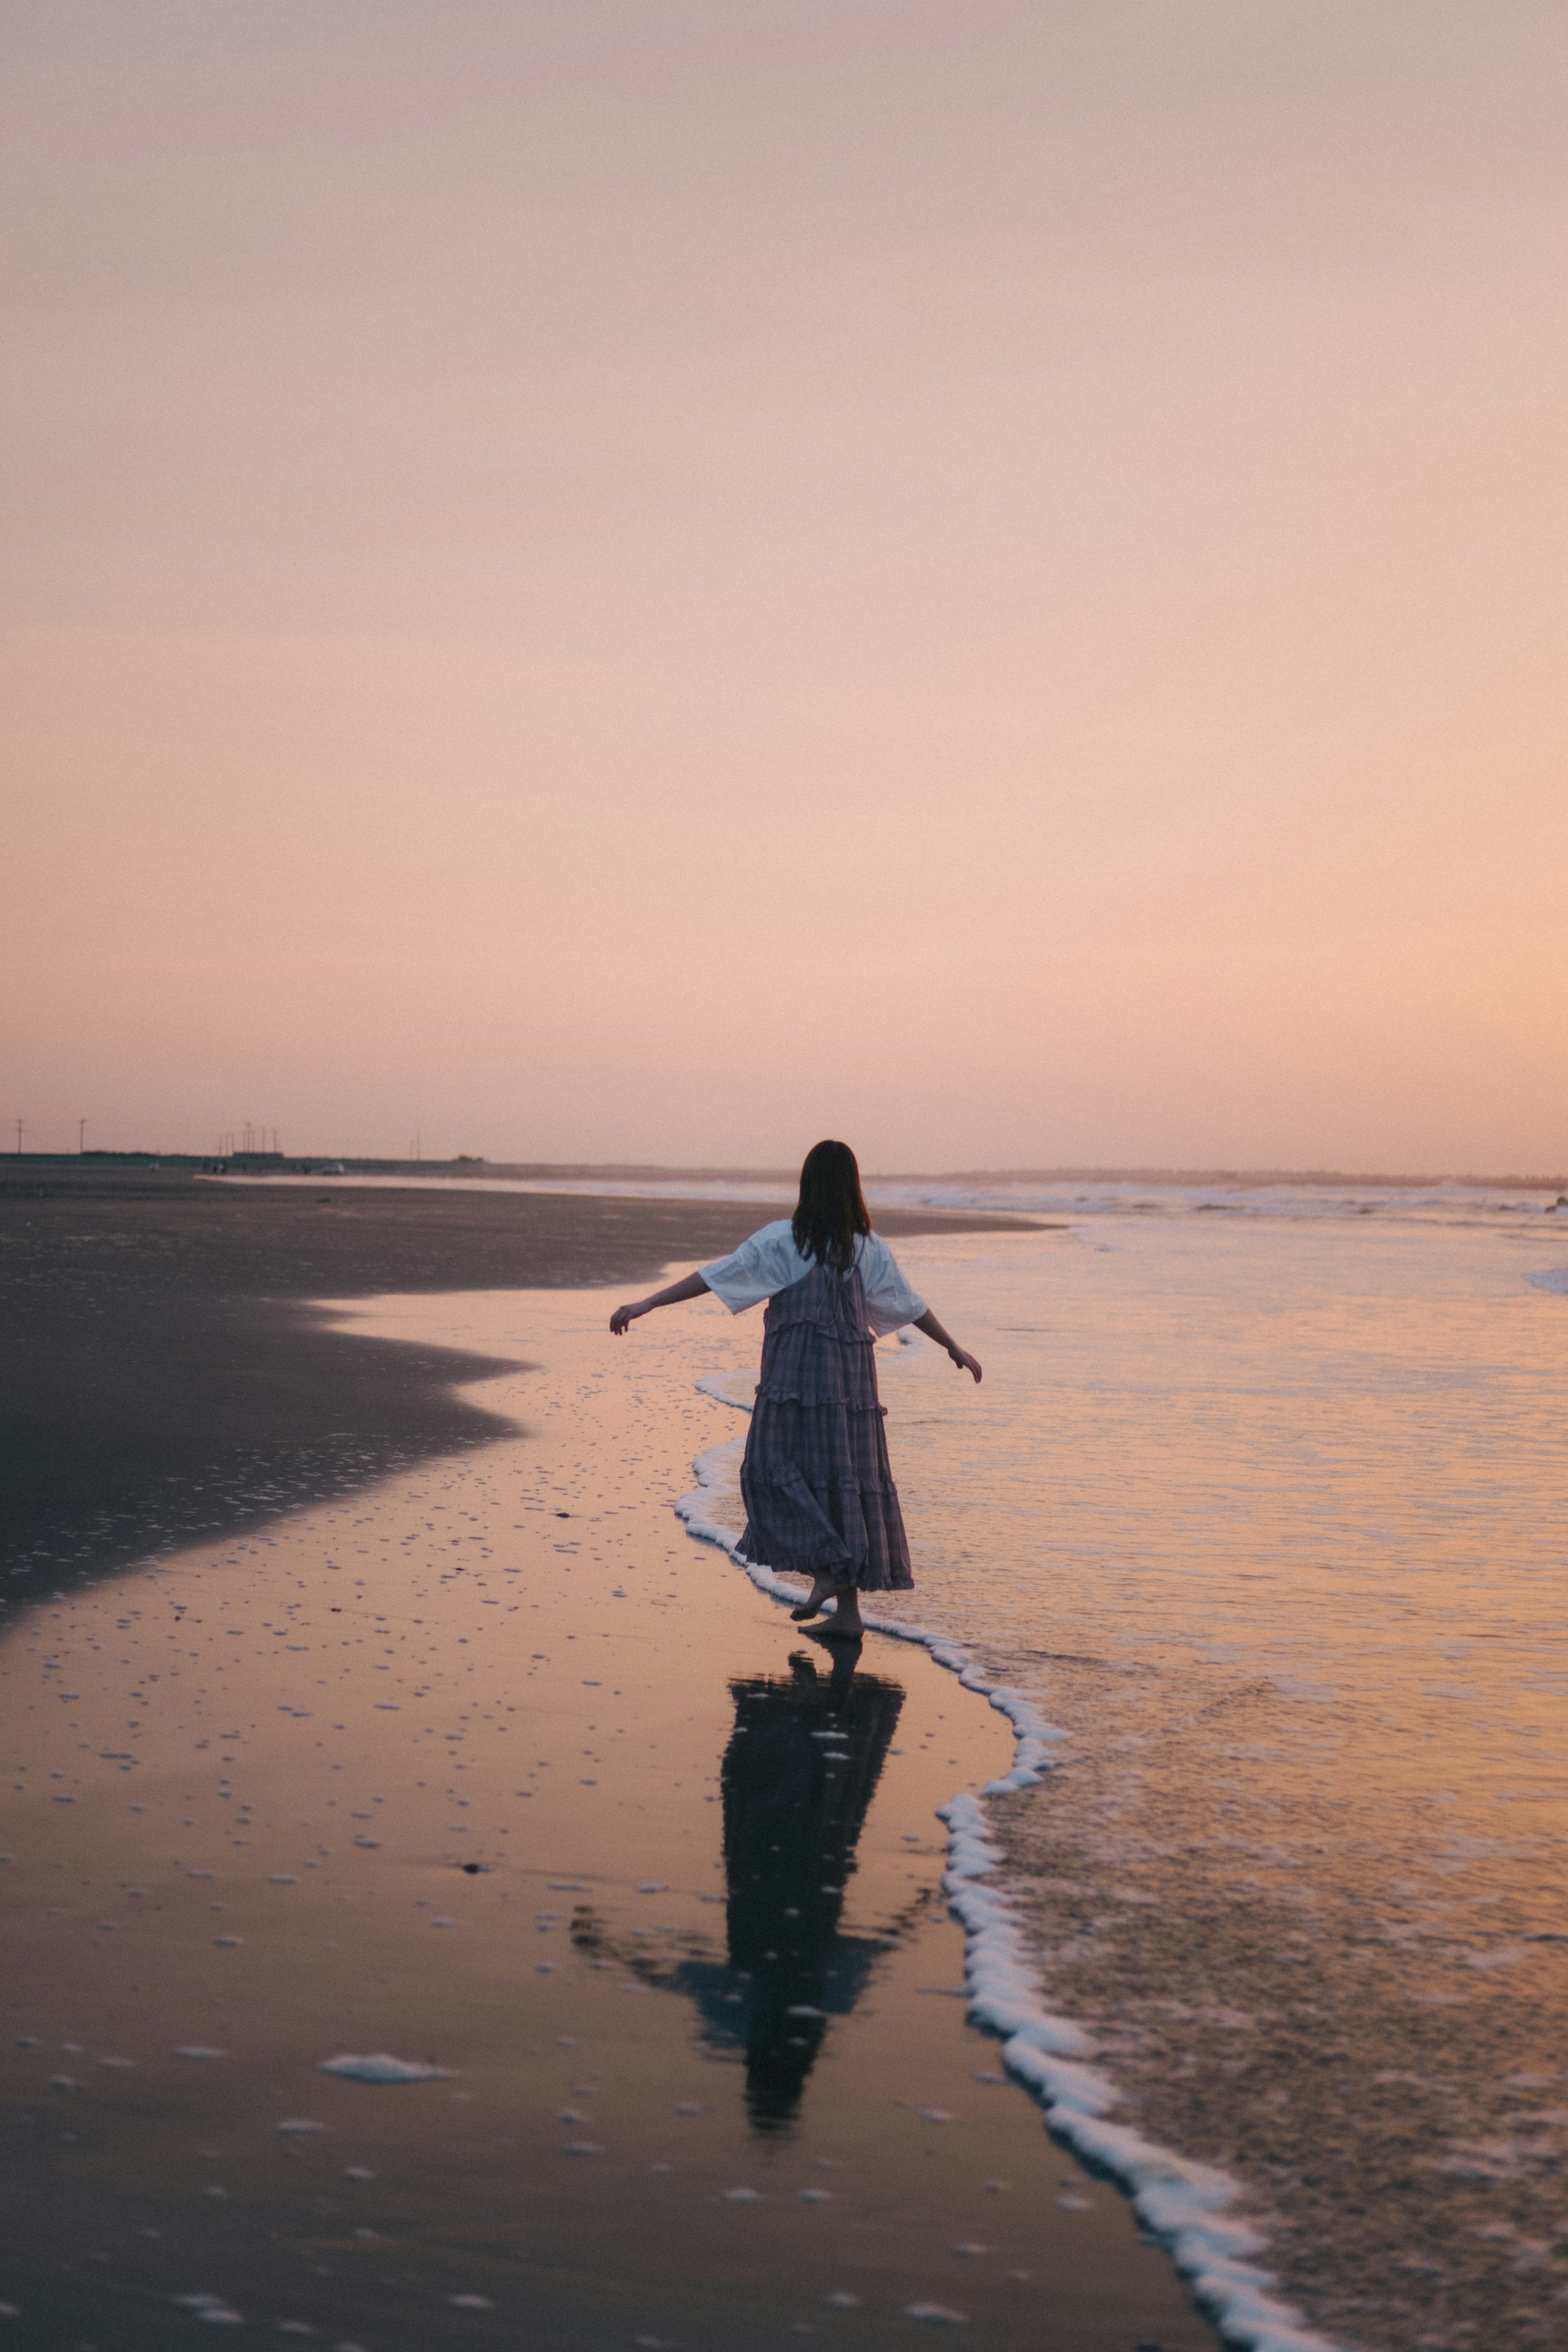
(819, 1494)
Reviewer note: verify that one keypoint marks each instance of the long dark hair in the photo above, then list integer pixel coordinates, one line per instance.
(832, 1209)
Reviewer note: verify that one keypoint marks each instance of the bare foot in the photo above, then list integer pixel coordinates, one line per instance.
(845, 1624)
(812, 1605)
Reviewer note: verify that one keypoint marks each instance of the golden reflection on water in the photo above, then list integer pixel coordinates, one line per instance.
(1271, 1519)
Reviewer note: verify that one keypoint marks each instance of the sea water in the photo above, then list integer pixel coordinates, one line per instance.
(1261, 1503)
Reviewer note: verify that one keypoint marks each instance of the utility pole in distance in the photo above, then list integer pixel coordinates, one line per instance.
(18, 1138)
(80, 1137)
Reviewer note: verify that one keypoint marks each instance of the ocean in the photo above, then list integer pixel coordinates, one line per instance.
(1261, 1505)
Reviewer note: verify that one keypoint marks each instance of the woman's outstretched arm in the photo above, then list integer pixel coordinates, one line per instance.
(692, 1287)
(934, 1330)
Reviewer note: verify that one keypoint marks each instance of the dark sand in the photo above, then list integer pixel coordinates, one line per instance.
(165, 1377)
(489, 1766)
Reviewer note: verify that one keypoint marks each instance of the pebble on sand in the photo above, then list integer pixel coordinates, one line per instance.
(213, 2308)
(935, 2315)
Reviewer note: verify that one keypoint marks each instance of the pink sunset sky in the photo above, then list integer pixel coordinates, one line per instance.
(653, 579)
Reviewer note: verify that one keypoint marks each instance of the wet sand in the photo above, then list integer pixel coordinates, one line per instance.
(490, 1768)
(166, 1378)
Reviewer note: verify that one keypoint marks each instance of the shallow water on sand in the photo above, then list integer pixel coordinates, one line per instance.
(1270, 1519)
(492, 1771)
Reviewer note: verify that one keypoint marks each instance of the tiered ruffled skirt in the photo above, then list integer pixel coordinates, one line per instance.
(818, 1490)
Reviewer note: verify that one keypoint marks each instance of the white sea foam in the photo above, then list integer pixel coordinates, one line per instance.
(380, 2066)
(1022, 1196)
(1553, 1277)
(1183, 2203)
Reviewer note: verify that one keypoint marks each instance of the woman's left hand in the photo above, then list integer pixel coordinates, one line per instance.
(965, 1362)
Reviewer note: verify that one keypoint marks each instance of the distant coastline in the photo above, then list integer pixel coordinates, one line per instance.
(538, 1171)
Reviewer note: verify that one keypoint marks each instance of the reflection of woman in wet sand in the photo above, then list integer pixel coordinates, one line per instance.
(819, 1493)
(798, 1778)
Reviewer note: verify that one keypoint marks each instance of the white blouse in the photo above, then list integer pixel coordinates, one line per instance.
(770, 1262)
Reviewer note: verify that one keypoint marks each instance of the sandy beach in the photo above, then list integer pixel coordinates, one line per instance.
(487, 1770)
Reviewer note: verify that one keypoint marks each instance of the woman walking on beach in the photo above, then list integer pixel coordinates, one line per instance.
(819, 1494)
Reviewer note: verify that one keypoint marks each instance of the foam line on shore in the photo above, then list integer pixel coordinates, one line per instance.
(1181, 2202)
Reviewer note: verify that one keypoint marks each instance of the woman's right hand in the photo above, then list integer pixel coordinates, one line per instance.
(690, 1286)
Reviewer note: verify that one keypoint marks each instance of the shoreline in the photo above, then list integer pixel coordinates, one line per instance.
(171, 1376)
(694, 1894)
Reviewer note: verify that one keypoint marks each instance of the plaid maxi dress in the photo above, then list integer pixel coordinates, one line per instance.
(816, 1480)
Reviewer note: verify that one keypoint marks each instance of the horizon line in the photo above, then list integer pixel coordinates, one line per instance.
(623, 1171)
